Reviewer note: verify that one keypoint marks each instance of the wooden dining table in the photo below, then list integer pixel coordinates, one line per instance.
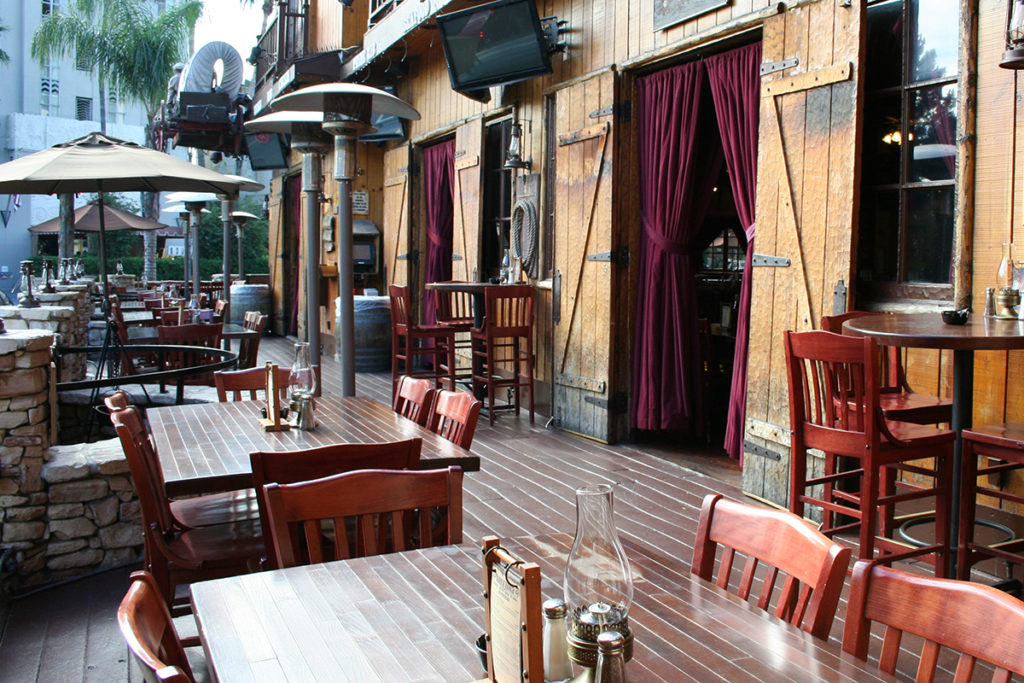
(415, 616)
(477, 289)
(928, 331)
(206, 446)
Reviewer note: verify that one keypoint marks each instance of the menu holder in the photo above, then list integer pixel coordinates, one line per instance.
(272, 422)
(512, 616)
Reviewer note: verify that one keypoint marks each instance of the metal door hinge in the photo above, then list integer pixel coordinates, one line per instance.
(619, 257)
(775, 261)
(624, 111)
(556, 297)
(412, 256)
(754, 449)
(781, 65)
(617, 404)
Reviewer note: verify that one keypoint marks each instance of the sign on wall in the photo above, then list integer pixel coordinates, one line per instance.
(361, 203)
(671, 12)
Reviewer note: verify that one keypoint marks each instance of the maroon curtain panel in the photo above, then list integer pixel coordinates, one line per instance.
(439, 174)
(295, 199)
(735, 82)
(676, 176)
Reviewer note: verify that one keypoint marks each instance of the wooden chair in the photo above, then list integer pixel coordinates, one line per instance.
(455, 311)
(896, 399)
(414, 399)
(249, 347)
(220, 306)
(198, 334)
(248, 385)
(454, 416)
(834, 407)
(980, 622)
(814, 566)
(1000, 448)
(378, 501)
(412, 344)
(195, 539)
(148, 629)
(503, 347)
(288, 467)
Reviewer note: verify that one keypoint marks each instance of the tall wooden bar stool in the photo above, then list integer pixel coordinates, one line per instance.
(834, 408)
(503, 346)
(455, 310)
(408, 353)
(1005, 443)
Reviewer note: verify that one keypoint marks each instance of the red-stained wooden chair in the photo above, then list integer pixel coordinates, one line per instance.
(503, 346)
(377, 501)
(455, 311)
(193, 539)
(454, 416)
(814, 566)
(288, 467)
(409, 348)
(248, 385)
(834, 407)
(981, 623)
(414, 398)
(896, 399)
(148, 630)
(196, 334)
(249, 347)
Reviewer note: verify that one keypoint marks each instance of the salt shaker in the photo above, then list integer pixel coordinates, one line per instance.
(611, 666)
(990, 301)
(557, 666)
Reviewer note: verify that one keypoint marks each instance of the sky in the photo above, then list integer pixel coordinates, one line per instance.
(233, 22)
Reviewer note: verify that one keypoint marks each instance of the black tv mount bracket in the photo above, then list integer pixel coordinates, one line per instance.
(552, 28)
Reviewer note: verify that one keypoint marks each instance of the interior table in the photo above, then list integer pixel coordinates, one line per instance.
(206, 446)
(149, 335)
(475, 288)
(415, 615)
(927, 331)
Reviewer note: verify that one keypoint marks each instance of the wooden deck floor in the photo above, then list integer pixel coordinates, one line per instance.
(525, 486)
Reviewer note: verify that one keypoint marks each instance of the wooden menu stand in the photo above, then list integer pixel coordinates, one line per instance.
(272, 422)
(512, 616)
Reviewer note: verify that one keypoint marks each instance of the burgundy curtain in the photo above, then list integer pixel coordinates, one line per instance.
(735, 88)
(439, 173)
(676, 176)
(295, 199)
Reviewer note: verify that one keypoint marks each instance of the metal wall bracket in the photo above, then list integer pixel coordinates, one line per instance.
(413, 256)
(775, 261)
(617, 404)
(619, 257)
(781, 65)
(754, 449)
(623, 111)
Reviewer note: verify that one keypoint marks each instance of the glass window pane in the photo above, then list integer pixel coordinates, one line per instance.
(934, 39)
(933, 125)
(879, 236)
(929, 235)
(882, 142)
(885, 44)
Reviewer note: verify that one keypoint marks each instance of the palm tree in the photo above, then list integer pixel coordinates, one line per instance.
(4, 57)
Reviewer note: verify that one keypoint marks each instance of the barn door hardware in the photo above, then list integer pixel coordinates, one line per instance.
(412, 256)
(624, 111)
(619, 257)
(556, 297)
(774, 261)
(839, 298)
(754, 449)
(781, 65)
(456, 257)
(616, 405)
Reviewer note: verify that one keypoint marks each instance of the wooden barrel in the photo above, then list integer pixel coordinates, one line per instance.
(249, 298)
(372, 317)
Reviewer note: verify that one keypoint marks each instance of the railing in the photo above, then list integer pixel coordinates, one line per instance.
(380, 9)
(284, 41)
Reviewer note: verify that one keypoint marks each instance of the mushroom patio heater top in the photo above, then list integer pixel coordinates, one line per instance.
(240, 218)
(347, 109)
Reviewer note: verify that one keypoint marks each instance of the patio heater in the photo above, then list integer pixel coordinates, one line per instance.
(309, 139)
(240, 218)
(347, 109)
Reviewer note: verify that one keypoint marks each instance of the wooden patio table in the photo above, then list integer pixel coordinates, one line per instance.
(415, 616)
(148, 335)
(206, 446)
(927, 331)
(474, 288)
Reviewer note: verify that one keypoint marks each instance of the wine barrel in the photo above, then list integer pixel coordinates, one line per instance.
(249, 298)
(372, 318)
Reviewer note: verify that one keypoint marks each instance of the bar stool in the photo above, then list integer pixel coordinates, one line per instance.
(405, 350)
(503, 346)
(1004, 442)
(455, 310)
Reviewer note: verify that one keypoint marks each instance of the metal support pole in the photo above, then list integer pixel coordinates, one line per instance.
(311, 187)
(226, 207)
(239, 232)
(344, 172)
(194, 229)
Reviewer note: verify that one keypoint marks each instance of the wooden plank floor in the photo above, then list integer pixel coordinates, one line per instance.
(525, 486)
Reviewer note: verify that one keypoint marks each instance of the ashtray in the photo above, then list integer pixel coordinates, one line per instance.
(955, 317)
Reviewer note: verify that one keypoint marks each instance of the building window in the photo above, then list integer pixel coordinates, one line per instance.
(83, 108)
(909, 166)
(49, 91)
(50, 6)
(82, 62)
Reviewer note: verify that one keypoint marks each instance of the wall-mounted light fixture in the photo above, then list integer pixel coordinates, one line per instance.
(1013, 57)
(514, 156)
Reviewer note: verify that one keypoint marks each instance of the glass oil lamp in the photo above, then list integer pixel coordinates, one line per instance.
(48, 287)
(598, 581)
(26, 299)
(302, 380)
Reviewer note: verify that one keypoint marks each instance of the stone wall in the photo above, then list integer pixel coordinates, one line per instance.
(65, 319)
(72, 366)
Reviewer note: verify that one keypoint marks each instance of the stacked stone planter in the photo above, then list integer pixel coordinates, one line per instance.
(61, 320)
(76, 331)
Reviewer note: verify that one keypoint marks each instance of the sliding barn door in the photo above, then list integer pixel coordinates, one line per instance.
(585, 258)
(399, 254)
(807, 176)
(466, 202)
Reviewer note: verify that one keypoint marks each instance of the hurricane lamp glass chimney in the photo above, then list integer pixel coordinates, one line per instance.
(1013, 57)
(514, 155)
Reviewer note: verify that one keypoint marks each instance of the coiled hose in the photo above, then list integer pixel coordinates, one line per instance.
(524, 234)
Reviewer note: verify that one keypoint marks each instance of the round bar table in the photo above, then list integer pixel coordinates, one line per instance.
(927, 331)
(474, 288)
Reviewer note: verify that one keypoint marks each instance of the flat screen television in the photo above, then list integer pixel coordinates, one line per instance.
(267, 150)
(389, 126)
(494, 44)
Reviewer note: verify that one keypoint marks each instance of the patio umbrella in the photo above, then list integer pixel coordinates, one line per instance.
(99, 163)
(87, 219)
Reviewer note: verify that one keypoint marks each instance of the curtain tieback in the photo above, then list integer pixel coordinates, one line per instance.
(669, 246)
(435, 239)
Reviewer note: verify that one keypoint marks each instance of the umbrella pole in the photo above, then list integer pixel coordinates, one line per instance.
(103, 261)
(225, 216)
(311, 187)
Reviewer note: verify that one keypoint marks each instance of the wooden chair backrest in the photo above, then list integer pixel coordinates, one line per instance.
(248, 385)
(143, 464)
(147, 628)
(400, 307)
(288, 467)
(169, 316)
(391, 511)
(980, 622)
(454, 416)
(814, 566)
(197, 334)
(414, 399)
(508, 311)
(154, 302)
(254, 320)
(823, 368)
(249, 347)
(454, 308)
(219, 306)
(891, 370)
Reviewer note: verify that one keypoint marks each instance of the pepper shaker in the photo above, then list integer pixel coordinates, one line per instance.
(990, 301)
(611, 665)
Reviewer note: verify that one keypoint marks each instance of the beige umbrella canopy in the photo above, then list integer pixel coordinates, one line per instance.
(87, 219)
